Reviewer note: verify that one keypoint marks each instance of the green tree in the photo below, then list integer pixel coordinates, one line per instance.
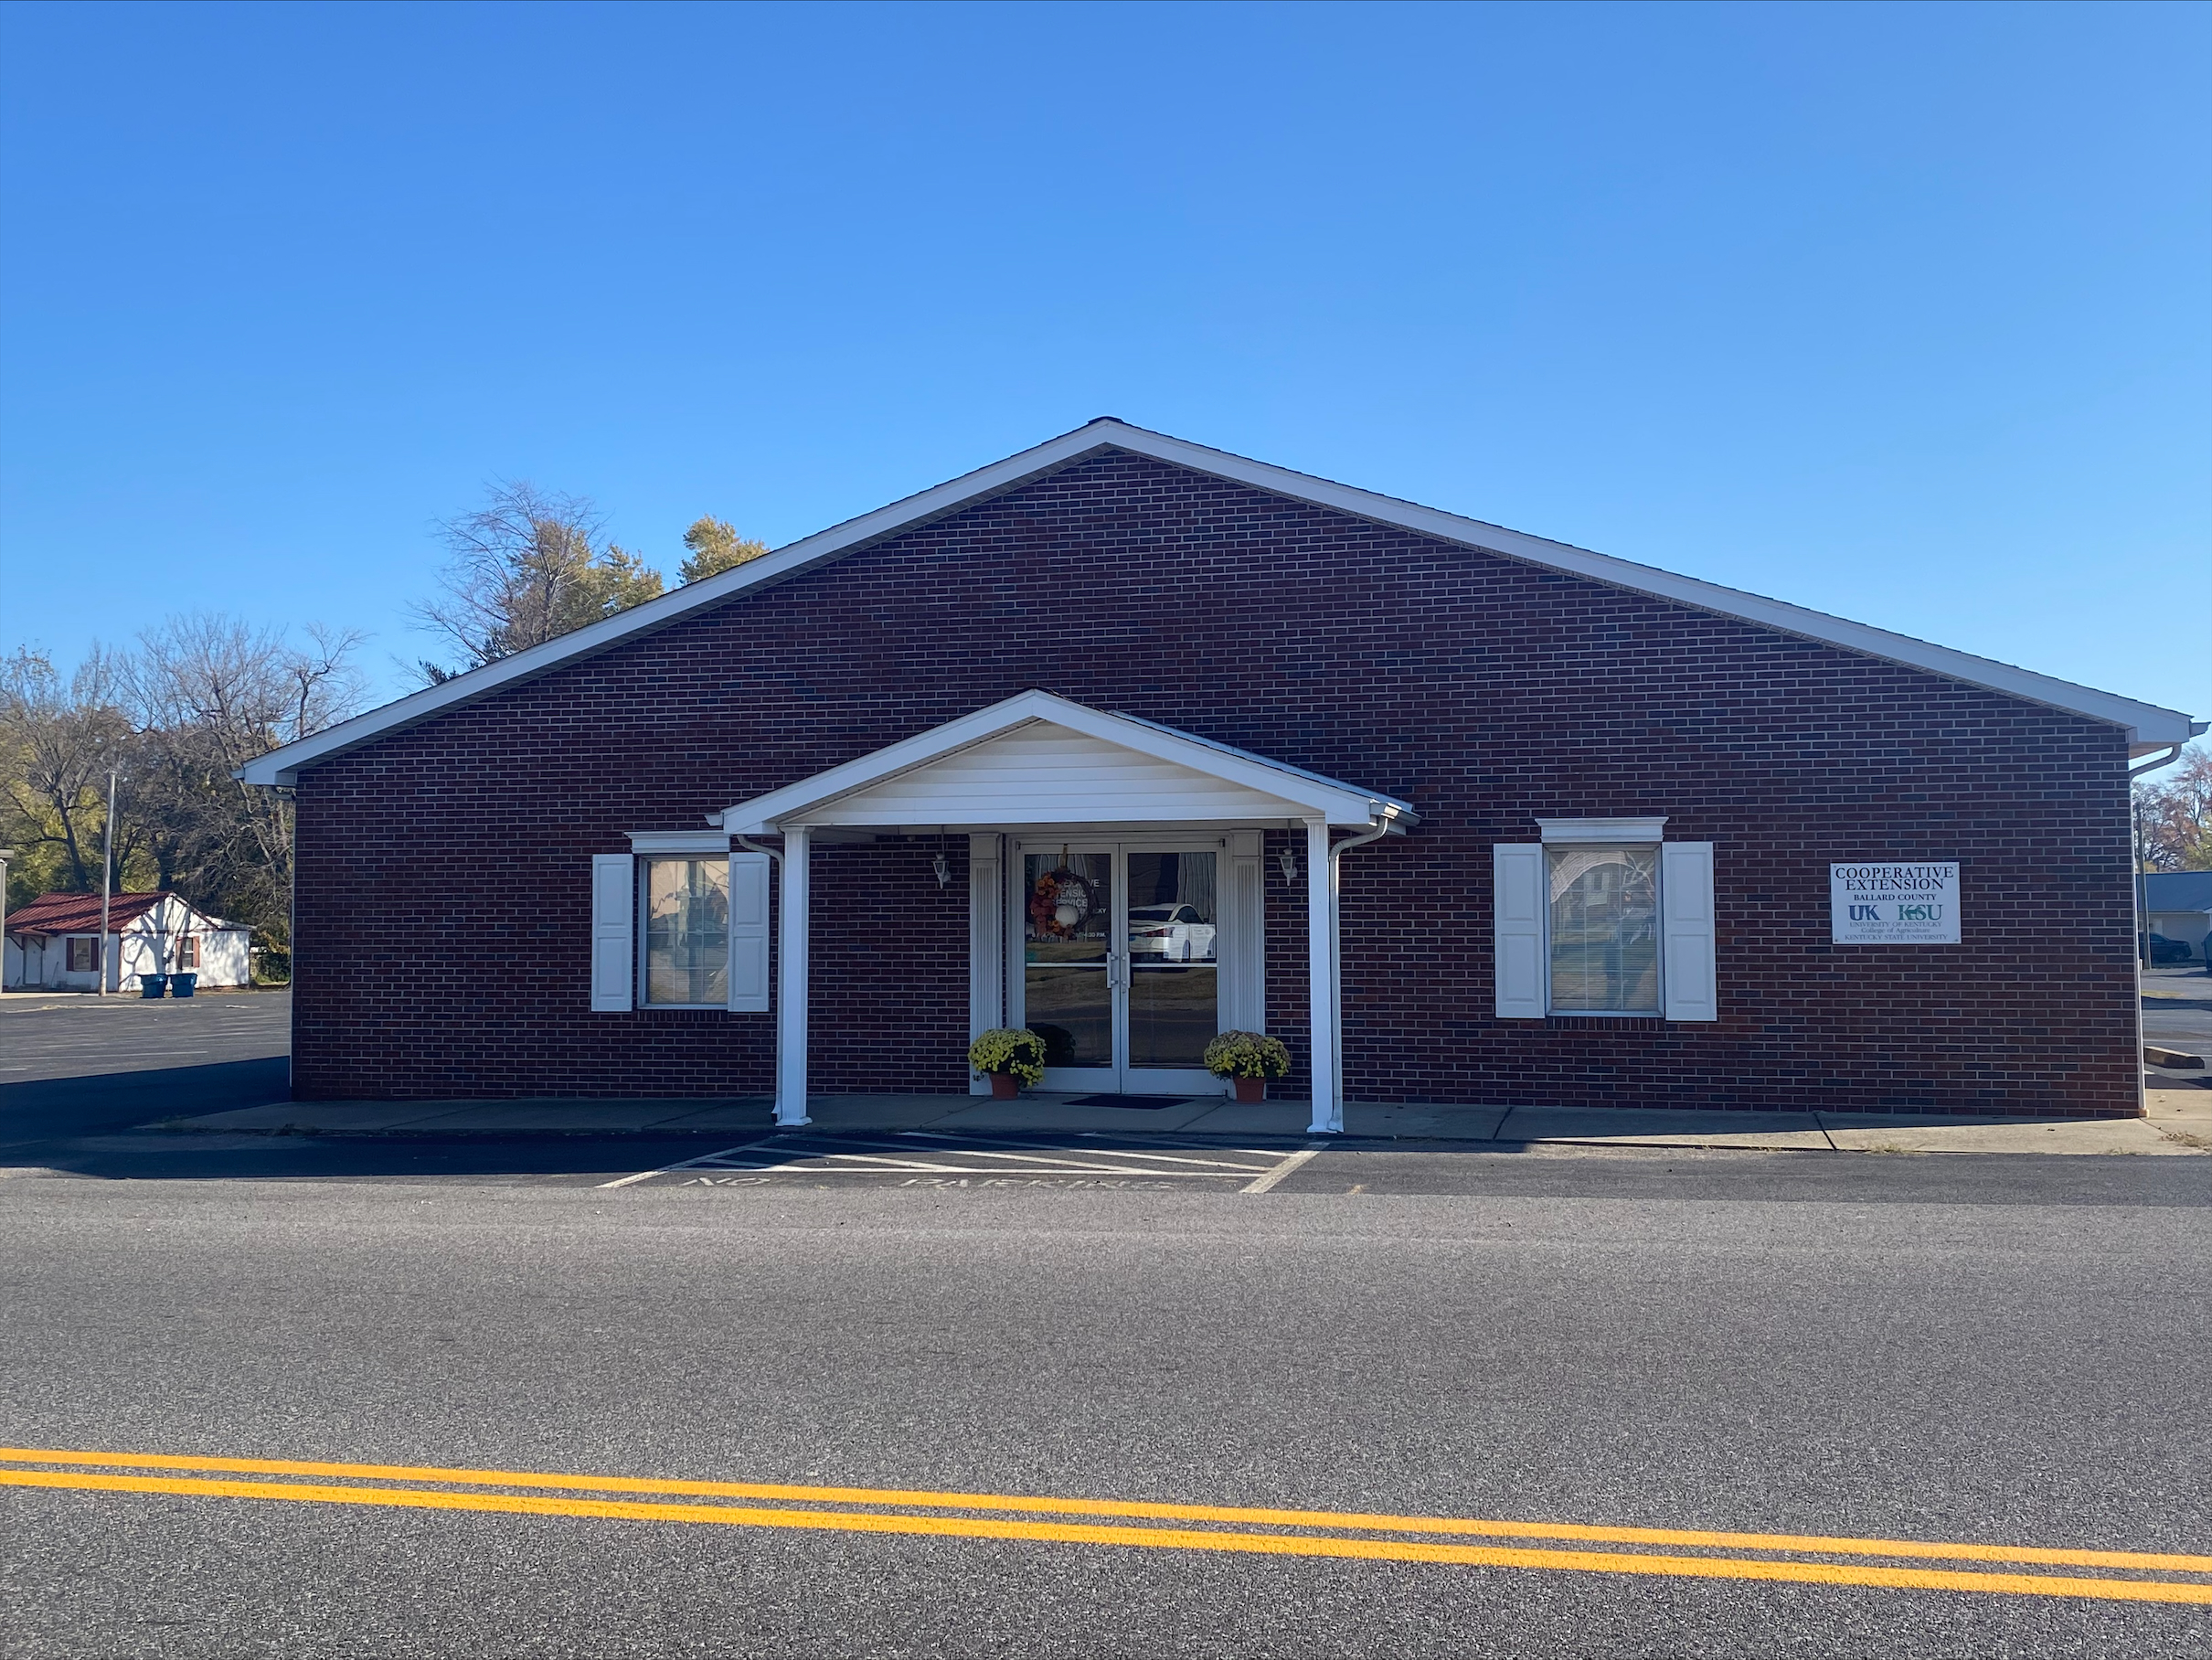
(715, 547)
(615, 581)
(525, 569)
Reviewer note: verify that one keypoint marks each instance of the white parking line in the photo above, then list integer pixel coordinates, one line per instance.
(1064, 1163)
(894, 1164)
(1171, 1158)
(963, 1147)
(1305, 1154)
(646, 1176)
(795, 1152)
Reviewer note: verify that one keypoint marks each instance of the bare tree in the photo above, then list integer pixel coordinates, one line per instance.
(199, 697)
(526, 569)
(209, 694)
(61, 741)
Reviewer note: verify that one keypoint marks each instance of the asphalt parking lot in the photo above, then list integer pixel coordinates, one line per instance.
(46, 1037)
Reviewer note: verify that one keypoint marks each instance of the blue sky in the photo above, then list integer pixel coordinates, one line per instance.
(1899, 311)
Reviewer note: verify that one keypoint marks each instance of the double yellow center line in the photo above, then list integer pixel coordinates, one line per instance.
(2130, 1576)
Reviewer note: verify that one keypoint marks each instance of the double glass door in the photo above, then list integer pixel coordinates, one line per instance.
(1120, 964)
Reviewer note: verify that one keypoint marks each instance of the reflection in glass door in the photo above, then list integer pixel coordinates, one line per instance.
(1069, 963)
(1173, 1009)
(1119, 966)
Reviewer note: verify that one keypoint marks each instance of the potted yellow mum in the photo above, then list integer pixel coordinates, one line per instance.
(1249, 1059)
(1010, 1057)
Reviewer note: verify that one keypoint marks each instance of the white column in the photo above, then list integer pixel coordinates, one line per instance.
(1320, 978)
(790, 983)
(987, 942)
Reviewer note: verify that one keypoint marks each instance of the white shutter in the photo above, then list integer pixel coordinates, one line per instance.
(1240, 909)
(1517, 926)
(1685, 921)
(987, 938)
(614, 919)
(749, 934)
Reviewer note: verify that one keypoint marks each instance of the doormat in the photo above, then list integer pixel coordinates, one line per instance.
(1141, 1103)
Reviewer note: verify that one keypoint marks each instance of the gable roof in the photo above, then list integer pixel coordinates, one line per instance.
(51, 914)
(1191, 779)
(2148, 727)
(2179, 889)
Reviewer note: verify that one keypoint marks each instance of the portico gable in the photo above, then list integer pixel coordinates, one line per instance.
(1041, 762)
(1039, 759)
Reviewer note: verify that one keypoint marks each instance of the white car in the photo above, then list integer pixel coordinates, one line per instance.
(1174, 934)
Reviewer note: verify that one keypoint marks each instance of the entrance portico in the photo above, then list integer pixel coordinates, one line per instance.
(1114, 885)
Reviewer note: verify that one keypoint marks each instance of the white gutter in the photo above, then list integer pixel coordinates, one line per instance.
(1389, 826)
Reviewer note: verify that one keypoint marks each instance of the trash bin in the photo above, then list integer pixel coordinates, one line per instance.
(180, 986)
(154, 985)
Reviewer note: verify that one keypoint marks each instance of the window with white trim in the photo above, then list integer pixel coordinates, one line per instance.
(685, 962)
(1602, 906)
(1604, 918)
(680, 923)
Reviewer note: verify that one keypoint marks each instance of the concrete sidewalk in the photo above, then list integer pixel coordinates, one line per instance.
(2180, 1122)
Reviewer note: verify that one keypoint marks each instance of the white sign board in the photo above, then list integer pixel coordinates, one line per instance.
(1893, 904)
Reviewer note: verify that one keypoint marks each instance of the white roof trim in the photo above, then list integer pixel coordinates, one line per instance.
(2148, 725)
(814, 799)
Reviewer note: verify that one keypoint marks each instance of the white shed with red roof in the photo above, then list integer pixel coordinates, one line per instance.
(53, 944)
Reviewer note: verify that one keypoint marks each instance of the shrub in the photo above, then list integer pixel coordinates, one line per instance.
(1246, 1055)
(1007, 1048)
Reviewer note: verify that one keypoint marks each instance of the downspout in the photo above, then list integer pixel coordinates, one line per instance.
(1336, 956)
(2143, 876)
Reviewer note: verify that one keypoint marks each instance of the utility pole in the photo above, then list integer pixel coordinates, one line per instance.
(106, 886)
(5, 853)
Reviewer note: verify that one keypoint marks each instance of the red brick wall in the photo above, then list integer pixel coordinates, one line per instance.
(444, 889)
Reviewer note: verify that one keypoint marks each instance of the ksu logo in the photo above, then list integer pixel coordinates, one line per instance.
(1919, 914)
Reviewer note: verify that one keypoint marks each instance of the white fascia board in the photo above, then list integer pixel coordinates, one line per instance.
(1340, 803)
(282, 766)
(2149, 726)
(1399, 813)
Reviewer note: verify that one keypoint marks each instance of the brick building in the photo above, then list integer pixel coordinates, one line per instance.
(1130, 740)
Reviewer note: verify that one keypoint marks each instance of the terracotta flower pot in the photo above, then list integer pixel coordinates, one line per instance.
(1005, 1086)
(1250, 1089)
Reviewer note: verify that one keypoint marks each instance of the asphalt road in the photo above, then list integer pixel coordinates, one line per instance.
(1981, 1350)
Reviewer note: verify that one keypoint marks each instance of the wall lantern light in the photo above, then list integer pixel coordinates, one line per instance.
(1288, 861)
